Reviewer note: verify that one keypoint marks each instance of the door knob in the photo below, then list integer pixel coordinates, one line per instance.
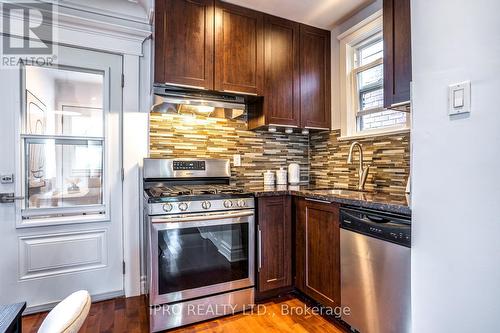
(9, 198)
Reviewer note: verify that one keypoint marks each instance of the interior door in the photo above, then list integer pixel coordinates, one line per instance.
(61, 159)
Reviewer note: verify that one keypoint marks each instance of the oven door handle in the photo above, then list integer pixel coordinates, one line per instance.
(203, 217)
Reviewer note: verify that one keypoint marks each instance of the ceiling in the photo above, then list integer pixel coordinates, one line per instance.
(319, 13)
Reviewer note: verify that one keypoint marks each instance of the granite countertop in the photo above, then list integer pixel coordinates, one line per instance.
(374, 200)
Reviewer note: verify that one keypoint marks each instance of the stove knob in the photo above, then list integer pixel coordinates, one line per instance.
(228, 203)
(167, 207)
(206, 205)
(242, 203)
(183, 206)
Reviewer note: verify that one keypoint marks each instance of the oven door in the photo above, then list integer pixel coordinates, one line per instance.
(195, 255)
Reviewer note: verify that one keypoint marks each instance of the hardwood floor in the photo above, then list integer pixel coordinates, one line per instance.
(130, 315)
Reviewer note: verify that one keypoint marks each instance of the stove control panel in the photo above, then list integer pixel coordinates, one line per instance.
(197, 206)
(189, 165)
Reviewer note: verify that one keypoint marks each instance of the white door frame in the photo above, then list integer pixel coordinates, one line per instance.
(126, 38)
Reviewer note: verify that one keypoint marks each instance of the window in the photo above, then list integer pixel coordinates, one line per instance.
(63, 142)
(362, 102)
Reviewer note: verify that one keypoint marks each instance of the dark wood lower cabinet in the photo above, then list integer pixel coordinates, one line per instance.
(302, 241)
(274, 254)
(318, 251)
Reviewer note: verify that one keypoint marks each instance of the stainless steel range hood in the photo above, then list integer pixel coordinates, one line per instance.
(175, 100)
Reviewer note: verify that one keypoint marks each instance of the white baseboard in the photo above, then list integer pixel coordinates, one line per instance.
(95, 298)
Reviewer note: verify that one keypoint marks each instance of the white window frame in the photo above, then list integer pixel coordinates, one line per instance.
(365, 31)
(65, 215)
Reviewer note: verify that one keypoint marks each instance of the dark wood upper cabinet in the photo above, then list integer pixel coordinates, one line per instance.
(397, 53)
(315, 88)
(275, 247)
(214, 45)
(239, 49)
(281, 105)
(184, 42)
(318, 251)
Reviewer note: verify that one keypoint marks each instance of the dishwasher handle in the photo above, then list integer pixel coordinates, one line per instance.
(386, 228)
(372, 220)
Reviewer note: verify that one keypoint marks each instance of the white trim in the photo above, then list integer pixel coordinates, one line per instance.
(135, 143)
(62, 220)
(99, 32)
(369, 134)
(353, 30)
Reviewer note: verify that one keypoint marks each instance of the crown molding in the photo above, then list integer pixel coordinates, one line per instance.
(93, 30)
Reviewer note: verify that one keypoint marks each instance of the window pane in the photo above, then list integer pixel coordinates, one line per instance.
(370, 52)
(371, 77)
(372, 99)
(383, 119)
(63, 102)
(63, 173)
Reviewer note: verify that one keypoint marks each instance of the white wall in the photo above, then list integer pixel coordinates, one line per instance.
(456, 189)
(335, 56)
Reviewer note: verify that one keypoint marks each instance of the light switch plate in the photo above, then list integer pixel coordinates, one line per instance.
(459, 98)
(237, 160)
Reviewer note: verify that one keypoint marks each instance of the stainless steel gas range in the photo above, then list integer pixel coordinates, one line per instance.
(200, 242)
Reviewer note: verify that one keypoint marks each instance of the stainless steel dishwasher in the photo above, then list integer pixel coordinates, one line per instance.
(375, 270)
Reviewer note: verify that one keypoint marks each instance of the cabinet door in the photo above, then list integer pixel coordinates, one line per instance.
(184, 42)
(315, 89)
(318, 251)
(275, 256)
(397, 52)
(281, 71)
(239, 51)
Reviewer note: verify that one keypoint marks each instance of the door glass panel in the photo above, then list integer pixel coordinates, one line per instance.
(63, 173)
(196, 257)
(63, 102)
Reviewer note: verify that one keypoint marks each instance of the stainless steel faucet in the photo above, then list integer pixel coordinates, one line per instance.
(363, 171)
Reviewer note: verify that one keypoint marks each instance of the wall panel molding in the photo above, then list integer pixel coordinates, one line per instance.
(61, 253)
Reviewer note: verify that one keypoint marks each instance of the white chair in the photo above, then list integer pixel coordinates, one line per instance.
(68, 316)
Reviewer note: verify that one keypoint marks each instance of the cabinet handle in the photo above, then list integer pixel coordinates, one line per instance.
(318, 200)
(259, 234)
(239, 92)
(185, 86)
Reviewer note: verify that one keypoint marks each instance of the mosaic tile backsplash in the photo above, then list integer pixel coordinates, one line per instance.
(177, 136)
(321, 156)
(389, 157)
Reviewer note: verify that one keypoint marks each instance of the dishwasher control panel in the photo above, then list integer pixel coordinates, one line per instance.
(389, 227)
